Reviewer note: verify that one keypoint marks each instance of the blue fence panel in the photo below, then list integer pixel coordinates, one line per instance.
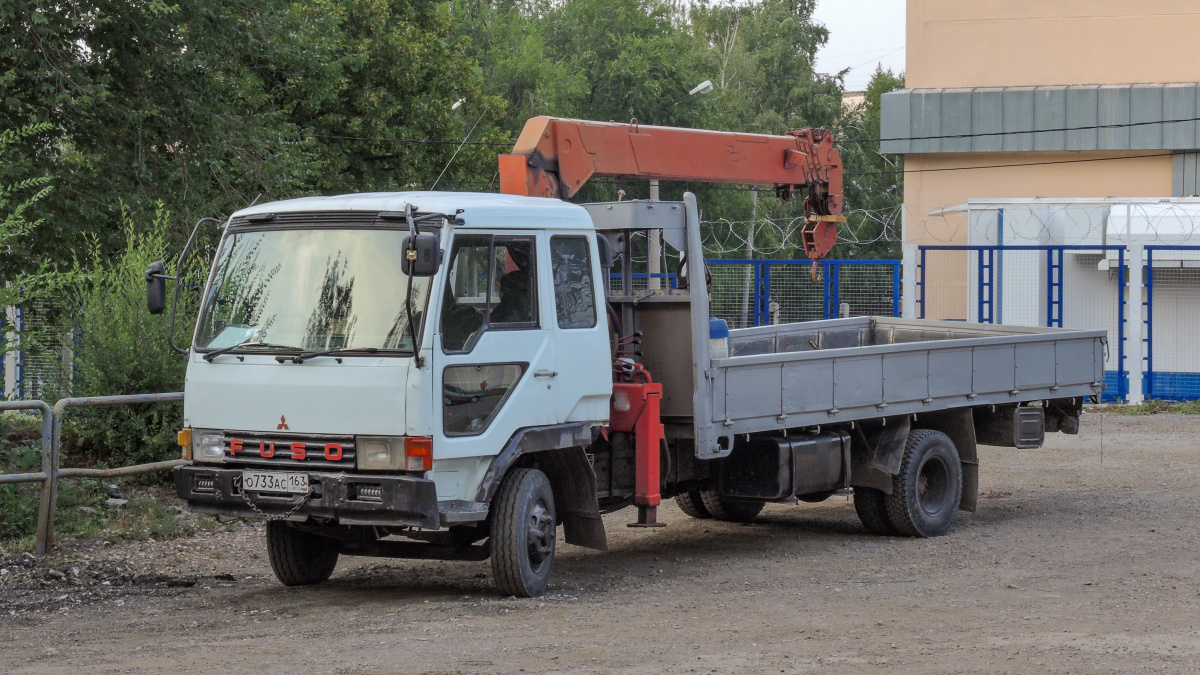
(755, 292)
(1172, 321)
(983, 283)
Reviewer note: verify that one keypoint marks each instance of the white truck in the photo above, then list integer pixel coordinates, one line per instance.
(452, 376)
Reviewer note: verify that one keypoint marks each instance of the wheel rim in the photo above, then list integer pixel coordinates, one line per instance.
(933, 486)
(540, 533)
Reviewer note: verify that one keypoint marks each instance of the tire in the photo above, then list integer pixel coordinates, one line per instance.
(730, 511)
(299, 558)
(524, 528)
(690, 504)
(926, 492)
(872, 511)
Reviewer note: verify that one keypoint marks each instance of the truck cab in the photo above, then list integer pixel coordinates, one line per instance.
(314, 398)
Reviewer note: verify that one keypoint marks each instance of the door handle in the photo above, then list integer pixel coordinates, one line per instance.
(545, 373)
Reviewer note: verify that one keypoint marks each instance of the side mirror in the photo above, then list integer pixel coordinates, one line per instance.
(423, 257)
(605, 251)
(156, 287)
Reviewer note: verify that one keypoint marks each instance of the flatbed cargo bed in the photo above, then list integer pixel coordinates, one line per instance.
(819, 372)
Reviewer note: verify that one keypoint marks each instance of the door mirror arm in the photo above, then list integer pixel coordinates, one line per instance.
(156, 284)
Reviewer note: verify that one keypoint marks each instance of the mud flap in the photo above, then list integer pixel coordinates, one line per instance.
(574, 484)
(875, 459)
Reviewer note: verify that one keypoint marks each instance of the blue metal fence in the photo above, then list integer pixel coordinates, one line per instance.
(756, 292)
(968, 283)
(1172, 370)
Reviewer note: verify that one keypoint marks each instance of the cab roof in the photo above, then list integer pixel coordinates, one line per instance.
(480, 209)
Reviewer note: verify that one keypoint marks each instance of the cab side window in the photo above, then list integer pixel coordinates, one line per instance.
(491, 285)
(574, 295)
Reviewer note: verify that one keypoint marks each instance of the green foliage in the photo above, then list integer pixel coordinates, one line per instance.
(18, 192)
(874, 187)
(121, 349)
(20, 452)
(206, 104)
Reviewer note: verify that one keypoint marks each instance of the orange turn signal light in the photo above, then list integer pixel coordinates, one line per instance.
(418, 453)
(184, 438)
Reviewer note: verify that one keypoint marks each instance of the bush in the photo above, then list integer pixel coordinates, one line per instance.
(120, 348)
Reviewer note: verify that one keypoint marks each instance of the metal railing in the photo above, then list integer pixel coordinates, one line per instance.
(754, 292)
(51, 443)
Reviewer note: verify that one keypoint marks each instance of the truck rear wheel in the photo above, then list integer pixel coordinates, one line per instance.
(524, 529)
(926, 492)
(690, 504)
(731, 511)
(299, 558)
(871, 507)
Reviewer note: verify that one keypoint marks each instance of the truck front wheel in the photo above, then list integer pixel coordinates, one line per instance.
(524, 528)
(299, 558)
(927, 490)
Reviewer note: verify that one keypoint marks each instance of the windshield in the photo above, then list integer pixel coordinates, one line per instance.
(311, 289)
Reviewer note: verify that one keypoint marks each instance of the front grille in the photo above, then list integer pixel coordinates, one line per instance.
(314, 447)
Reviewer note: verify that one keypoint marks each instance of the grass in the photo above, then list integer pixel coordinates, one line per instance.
(82, 511)
(1151, 407)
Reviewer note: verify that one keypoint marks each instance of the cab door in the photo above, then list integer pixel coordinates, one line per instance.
(494, 357)
(580, 328)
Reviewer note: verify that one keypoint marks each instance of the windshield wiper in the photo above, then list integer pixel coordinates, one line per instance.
(249, 343)
(304, 356)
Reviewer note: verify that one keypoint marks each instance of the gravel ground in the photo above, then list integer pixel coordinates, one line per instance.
(1072, 564)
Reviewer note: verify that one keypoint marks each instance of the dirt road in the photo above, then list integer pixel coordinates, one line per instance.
(1070, 565)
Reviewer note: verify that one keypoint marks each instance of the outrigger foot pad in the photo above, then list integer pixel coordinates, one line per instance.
(647, 517)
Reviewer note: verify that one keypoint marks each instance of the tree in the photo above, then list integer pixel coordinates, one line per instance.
(208, 104)
(16, 198)
(874, 187)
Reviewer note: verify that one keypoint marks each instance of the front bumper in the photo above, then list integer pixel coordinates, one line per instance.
(402, 500)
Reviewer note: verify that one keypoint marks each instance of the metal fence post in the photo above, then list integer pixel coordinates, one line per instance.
(19, 355)
(762, 293)
(1122, 284)
(896, 289)
(1148, 384)
(45, 535)
(1136, 258)
(42, 476)
(1054, 287)
(921, 282)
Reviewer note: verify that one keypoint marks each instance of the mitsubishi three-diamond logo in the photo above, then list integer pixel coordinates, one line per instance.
(282, 423)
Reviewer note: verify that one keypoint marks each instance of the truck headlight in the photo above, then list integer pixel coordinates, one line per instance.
(394, 453)
(208, 446)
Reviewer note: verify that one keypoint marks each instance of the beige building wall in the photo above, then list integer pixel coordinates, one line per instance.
(992, 43)
(999, 43)
(936, 182)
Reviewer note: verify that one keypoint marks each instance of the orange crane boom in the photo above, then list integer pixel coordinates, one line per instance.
(554, 157)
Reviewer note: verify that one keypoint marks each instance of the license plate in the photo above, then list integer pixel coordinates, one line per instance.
(285, 483)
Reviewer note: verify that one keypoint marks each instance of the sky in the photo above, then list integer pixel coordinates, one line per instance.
(862, 33)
